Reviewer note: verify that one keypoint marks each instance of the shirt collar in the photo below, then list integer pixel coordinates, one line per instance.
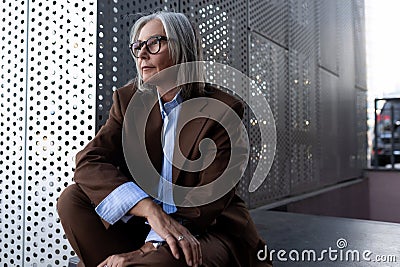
(167, 107)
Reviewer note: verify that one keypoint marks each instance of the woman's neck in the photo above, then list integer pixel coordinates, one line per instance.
(169, 95)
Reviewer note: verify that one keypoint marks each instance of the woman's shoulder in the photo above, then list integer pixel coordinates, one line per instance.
(127, 90)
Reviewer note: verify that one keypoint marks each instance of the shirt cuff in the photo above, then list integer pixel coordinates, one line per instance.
(120, 201)
(153, 236)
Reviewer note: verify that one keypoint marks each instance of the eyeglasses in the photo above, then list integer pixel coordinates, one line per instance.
(153, 45)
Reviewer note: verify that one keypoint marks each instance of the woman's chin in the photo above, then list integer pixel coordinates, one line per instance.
(146, 77)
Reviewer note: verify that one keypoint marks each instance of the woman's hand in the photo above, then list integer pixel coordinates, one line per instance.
(125, 259)
(176, 236)
(173, 232)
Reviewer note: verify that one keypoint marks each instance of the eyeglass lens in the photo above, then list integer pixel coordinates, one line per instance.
(152, 46)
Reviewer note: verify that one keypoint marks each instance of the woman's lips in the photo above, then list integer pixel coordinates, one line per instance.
(147, 68)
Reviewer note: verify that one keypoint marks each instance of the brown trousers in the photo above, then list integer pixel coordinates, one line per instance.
(94, 243)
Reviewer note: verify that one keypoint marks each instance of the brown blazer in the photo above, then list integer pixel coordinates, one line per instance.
(101, 166)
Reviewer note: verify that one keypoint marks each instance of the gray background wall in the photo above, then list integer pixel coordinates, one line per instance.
(61, 61)
(308, 58)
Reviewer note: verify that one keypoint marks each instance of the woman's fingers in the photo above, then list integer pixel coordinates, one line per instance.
(196, 249)
(190, 247)
(171, 241)
(188, 250)
(176, 236)
(189, 244)
(103, 263)
(120, 260)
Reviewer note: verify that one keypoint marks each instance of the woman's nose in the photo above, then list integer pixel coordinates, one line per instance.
(143, 53)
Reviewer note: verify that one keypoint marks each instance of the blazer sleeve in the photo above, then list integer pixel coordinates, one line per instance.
(206, 215)
(100, 165)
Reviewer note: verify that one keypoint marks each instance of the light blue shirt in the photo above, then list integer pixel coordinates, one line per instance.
(116, 205)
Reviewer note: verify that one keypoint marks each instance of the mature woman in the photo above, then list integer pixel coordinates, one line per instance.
(109, 219)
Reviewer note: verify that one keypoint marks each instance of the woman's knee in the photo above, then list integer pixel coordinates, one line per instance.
(71, 199)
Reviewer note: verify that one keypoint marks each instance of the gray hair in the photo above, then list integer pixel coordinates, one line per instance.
(184, 45)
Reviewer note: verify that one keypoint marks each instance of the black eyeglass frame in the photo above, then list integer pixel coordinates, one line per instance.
(159, 38)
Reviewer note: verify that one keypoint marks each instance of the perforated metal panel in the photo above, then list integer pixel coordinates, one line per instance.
(269, 68)
(329, 127)
(328, 34)
(223, 28)
(303, 86)
(362, 128)
(347, 94)
(115, 65)
(271, 19)
(12, 131)
(359, 42)
(48, 98)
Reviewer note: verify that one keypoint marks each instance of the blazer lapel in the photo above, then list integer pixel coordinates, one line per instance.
(153, 127)
(153, 137)
(190, 132)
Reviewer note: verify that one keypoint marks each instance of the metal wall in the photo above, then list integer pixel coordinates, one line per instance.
(61, 61)
(47, 113)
